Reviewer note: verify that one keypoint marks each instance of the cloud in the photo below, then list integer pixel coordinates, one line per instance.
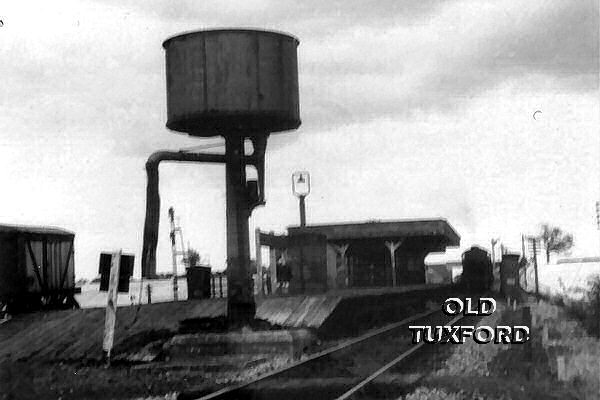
(464, 51)
(359, 61)
(317, 16)
(393, 96)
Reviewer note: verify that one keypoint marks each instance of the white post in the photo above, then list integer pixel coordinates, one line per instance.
(342, 252)
(561, 370)
(392, 247)
(111, 305)
(259, 276)
(273, 269)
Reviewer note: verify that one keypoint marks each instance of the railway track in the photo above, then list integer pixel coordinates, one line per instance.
(393, 379)
(351, 370)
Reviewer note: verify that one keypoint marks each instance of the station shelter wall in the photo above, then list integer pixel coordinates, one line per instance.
(366, 262)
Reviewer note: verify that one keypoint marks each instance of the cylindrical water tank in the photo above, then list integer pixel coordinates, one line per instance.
(232, 82)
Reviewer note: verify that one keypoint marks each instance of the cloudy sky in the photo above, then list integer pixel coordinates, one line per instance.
(410, 109)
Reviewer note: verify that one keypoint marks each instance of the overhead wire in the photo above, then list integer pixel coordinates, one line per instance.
(203, 147)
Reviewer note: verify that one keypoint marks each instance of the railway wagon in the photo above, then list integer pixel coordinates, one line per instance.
(37, 268)
(477, 270)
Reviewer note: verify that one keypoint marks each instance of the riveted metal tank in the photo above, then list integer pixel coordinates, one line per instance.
(230, 82)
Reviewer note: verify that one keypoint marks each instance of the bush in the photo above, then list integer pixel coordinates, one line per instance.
(586, 310)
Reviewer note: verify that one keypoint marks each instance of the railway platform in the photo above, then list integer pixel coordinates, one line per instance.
(77, 334)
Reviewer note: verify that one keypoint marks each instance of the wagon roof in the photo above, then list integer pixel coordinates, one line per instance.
(38, 230)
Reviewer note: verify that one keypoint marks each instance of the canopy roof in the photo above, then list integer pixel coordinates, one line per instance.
(384, 229)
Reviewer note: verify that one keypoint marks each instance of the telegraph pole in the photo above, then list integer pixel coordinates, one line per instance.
(524, 255)
(535, 265)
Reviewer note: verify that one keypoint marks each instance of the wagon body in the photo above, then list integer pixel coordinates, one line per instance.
(477, 269)
(37, 267)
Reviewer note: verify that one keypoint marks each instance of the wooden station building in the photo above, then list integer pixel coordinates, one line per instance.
(326, 257)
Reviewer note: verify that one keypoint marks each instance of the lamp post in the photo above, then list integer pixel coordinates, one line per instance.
(301, 189)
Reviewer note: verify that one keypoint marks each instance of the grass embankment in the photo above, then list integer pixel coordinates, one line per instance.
(560, 362)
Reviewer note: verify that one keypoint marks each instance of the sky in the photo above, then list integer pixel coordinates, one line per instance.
(410, 109)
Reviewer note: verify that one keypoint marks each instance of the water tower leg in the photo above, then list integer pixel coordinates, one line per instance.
(240, 296)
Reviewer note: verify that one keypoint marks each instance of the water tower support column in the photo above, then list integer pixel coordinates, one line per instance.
(240, 296)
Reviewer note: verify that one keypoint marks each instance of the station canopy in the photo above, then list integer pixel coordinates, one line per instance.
(384, 230)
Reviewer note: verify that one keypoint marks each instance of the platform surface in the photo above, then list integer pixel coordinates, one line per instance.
(77, 334)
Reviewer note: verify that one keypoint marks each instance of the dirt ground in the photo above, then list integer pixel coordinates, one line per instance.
(464, 371)
(25, 380)
(38, 363)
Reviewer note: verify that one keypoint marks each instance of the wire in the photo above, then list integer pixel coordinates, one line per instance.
(202, 147)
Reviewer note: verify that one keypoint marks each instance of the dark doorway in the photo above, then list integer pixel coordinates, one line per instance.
(367, 263)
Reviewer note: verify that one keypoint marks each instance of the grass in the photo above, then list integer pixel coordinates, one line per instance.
(586, 309)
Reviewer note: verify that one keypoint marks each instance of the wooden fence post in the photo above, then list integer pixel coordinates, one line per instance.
(111, 306)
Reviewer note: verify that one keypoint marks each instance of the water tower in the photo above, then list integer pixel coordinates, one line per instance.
(241, 85)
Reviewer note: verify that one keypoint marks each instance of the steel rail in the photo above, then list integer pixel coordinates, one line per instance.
(387, 366)
(320, 354)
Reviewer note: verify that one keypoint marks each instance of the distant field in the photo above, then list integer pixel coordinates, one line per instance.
(162, 291)
(574, 277)
(569, 279)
